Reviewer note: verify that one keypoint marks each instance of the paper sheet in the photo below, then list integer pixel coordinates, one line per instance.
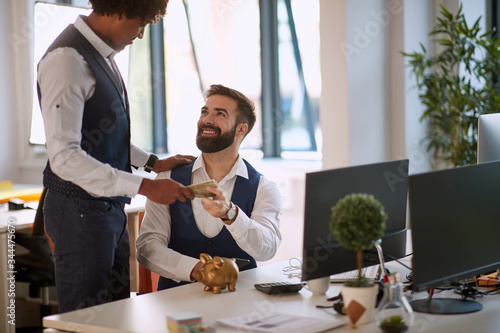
(280, 322)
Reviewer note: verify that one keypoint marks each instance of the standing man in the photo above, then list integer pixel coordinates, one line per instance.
(88, 176)
(241, 219)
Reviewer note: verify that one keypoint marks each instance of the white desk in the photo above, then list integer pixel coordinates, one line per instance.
(147, 313)
(10, 221)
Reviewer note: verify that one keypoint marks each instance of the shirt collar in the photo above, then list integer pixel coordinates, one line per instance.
(239, 168)
(104, 49)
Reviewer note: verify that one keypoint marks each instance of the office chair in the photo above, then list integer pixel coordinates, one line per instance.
(37, 266)
(148, 281)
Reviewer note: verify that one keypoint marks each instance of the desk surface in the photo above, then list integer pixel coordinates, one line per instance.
(15, 218)
(147, 313)
(24, 217)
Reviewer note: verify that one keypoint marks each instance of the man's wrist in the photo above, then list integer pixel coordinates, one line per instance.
(150, 163)
(231, 213)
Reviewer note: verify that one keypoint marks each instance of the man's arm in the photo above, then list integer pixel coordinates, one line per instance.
(152, 244)
(140, 157)
(258, 235)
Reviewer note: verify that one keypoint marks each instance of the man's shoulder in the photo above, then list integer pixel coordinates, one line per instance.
(252, 171)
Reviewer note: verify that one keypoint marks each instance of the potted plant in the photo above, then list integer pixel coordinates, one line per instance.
(357, 221)
(457, 83)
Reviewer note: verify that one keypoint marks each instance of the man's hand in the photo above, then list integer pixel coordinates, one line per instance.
(196, 268)
(165, 191)
(171, 162)
(218, 205)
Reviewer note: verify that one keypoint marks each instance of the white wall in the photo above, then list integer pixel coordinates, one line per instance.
(416, 14)
(374, 115)
(8, 140)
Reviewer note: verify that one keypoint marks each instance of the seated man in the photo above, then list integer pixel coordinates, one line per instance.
(241, 220)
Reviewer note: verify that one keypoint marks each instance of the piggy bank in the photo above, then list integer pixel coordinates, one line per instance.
(218, 273)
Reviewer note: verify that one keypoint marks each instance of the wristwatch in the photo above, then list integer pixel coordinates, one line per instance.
(150, 163)
(231, 213)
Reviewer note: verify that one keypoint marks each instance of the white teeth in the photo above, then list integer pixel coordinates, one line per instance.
(208, 132)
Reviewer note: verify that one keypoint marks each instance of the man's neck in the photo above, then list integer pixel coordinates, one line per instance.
(100, 25)
(219, 164)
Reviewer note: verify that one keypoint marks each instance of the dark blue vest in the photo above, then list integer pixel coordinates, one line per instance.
(106, 121)
(187, 239)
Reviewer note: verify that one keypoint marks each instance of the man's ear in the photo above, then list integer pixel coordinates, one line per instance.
(242, 129)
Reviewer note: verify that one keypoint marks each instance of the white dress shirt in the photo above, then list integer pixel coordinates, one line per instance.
(258, 235)
(67, 82)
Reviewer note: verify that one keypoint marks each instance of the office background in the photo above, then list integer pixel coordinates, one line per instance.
(369, 107)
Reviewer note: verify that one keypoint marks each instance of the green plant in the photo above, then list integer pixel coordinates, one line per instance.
(393, 324)
(456, 85)
(357, 221)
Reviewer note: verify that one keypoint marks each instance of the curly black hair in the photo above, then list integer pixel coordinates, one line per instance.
(146, 10)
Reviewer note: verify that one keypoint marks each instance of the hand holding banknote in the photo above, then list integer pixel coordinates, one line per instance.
(200, 189)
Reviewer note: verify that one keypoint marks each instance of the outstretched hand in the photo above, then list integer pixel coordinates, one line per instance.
(165, 191)
(171, 162)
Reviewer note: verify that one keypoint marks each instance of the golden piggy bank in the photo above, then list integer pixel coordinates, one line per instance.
(218, 273)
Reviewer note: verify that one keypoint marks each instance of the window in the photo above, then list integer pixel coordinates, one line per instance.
(208, 42)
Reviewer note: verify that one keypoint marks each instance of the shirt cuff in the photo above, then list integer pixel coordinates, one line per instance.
(138, 157)
(128, 184)
(185, 267)
(239, 227)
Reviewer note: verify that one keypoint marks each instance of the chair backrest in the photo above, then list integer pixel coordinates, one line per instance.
(39, 247)
(148, 281)
(38, 228)
(39, 223)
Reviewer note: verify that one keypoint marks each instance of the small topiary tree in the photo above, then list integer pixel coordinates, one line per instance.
(357, 221)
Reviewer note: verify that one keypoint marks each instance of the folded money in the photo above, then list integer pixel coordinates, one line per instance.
(200, 189)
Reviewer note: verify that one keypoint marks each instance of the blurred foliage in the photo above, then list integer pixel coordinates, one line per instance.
(456, 85)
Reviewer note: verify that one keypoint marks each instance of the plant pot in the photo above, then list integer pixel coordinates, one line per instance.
(359, 303)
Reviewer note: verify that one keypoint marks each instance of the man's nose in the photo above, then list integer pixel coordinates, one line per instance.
(208, 119)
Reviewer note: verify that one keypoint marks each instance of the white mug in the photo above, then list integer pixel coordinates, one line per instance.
(318, 286)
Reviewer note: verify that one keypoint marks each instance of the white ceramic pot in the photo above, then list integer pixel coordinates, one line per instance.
(359, 303)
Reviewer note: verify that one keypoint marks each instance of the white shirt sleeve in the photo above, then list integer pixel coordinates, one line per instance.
(138, 156)
(259, 235)
(152, 244)
(67, 82)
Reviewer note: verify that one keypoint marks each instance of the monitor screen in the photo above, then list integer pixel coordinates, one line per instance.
(455, 223)
(488, 139)
(387, 181)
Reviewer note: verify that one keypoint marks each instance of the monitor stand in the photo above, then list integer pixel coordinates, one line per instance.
(445, 306)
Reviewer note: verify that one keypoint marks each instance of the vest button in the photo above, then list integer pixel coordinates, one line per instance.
(210, 243)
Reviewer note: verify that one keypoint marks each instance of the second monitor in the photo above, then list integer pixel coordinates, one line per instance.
(387, 181)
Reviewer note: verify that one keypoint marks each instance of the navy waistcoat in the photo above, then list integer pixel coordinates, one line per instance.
(106, 120)
(187, 239)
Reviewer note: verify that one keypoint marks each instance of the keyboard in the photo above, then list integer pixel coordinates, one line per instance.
(278, 287)
(370, 272)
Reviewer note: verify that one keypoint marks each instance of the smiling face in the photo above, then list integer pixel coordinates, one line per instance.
(218, 124)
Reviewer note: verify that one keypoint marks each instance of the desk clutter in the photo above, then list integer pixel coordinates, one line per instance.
(10, 191)
(187, 322)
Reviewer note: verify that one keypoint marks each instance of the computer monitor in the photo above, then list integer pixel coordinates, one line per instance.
(387, 181)
(455, 224)
(488, 138)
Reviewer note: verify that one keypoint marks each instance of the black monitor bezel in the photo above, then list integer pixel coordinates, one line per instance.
(456, 202)
(322, 255)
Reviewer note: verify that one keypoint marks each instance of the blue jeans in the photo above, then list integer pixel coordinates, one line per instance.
(92, 250)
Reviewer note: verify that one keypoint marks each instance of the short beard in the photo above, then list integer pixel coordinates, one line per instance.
(215, 144)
